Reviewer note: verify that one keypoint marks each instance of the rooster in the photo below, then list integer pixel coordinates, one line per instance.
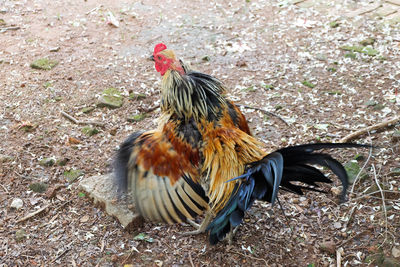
(202, 157)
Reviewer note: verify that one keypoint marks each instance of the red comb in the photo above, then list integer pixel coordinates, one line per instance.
(159, 47)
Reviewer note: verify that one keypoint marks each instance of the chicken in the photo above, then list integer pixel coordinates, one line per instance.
(202, 158)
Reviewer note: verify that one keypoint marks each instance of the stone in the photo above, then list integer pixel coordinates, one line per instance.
(353, 168)
(396, 252)
(395, 172)
(103, 191)
(38, 187)
(368, 41)
(136, 118)
(111, 98)
(396, 135)
(47, 162)
(89, 131)
(5, 158)
(328, 246)
(87, 109)
(72, 175)
(44, 64)
(17, 203)
(137, 96)
(20, 235)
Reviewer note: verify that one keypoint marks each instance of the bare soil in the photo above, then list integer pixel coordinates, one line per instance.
(263, 51)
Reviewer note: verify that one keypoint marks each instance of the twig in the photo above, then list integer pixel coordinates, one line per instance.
(341, 127)
(148, 110)
(264, 111)
(94, 9)
(5, 189)
(358, 133)
(9, 29)
(363, 167)
(383, 202)
(134, 249)
(190, 259)
(64, 252)
(351, 238)
(66, 115)
(351, 215)
(62, 205)
(27, 217)
(339, 252)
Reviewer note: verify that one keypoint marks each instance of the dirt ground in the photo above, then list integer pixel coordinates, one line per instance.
(271, 54)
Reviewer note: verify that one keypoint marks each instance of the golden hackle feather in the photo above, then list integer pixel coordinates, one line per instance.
(226, 153)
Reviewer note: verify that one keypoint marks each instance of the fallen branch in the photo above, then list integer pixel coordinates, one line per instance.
(66, 115)
(358, 133)
(33, 214)
(9, 29)
(265, 112)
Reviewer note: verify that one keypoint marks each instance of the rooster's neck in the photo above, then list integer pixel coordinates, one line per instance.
(192, 96)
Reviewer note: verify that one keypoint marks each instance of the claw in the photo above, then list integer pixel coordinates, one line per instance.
(200, 228)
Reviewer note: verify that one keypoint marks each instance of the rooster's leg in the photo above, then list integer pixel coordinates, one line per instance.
(200, 228)
(231, 234)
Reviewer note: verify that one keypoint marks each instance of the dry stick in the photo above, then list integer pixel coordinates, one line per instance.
(372, 193)
(5, 189)
(190, 259)
(383, 202)
(381, 125)
(341, 127)
(65, 251)
(27, 217)
(339, 257)
(359, 173)
(264, 111)
(130, 255)
(66, 115)
(9, 29)
(351, 238)
(350, 215)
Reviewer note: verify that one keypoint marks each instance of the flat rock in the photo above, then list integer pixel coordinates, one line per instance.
(103, 191)
(109, 102)
(44, 64)
(111, 98)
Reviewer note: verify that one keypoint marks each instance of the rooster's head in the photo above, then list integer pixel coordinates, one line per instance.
(165, 60)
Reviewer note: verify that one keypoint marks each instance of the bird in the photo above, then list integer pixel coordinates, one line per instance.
(201, 158)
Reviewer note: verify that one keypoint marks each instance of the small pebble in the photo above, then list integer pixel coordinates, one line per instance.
(17, 203)
(337, 225)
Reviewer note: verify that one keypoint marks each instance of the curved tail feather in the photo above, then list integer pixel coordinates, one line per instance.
(263, 179)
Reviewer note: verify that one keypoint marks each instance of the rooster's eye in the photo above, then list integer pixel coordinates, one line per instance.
(159, 58)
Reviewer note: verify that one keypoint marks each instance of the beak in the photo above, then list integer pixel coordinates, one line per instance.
(151, 58)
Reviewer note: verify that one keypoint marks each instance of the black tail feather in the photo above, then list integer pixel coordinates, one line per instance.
(121, 162)
(279, 169)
